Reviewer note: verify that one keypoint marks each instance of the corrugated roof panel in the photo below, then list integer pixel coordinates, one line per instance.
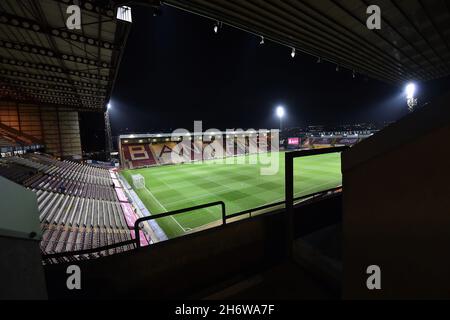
(43, 61)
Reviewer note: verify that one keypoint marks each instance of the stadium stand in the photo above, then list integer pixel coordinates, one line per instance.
(163, 152)
(80, 207)
(138, 154)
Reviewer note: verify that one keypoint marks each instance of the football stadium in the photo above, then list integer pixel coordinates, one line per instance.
(341, 194)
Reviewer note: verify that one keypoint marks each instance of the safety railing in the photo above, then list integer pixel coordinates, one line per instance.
(176, 212)
(87, 252)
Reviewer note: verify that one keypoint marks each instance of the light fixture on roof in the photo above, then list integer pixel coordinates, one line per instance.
(337, 68)
(293, 53)
(354, 74)
(410, 96)
(216, 27)
(262, 40)
(319, 60)
(124, 14)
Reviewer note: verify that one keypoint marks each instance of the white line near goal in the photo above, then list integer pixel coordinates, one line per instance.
(165, 210)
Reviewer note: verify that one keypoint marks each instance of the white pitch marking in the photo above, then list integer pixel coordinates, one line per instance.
(164, 208)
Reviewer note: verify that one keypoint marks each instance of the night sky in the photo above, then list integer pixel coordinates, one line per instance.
(176, 70)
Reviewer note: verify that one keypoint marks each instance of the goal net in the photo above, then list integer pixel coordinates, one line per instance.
(138, 181)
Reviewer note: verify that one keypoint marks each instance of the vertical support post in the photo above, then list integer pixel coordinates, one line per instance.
(224, 218)
(289, 198)
(137, 235)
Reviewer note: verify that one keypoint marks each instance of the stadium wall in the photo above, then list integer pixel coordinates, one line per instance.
(57, 128)
(396, 208)
(185, 266)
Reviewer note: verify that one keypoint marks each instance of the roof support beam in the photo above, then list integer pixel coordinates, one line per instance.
(51, 79)
(34, 26)
(50, 87)
(37, 50)
(52, 68)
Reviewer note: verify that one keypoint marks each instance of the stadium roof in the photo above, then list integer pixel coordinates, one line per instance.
(179, 134)
(44, 63)
(413, 43)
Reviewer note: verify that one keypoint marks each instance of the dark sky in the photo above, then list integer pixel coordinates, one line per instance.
(176, 70)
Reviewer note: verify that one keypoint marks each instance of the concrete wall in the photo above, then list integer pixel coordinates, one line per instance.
(181, 267)
(397, 208)
(21, 271)
(58, 128)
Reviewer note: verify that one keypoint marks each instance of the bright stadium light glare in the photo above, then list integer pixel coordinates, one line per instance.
(216, 27)
(411, 100)
(109, 106)
(410, 90)
(293, 53)
(280, 112)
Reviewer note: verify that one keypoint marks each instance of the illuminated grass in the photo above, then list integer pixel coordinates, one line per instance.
(241, 187)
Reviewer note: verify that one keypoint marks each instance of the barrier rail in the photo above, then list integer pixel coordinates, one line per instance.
(88, 251)
(173, 213)
(276, 204)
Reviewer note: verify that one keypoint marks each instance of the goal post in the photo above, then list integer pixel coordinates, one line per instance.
(138, 181)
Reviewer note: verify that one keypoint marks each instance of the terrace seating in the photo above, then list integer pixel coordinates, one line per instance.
(144, 155)
(78, 204)
(347, 141)
(15, 172)
(163, 152)
(139, 155)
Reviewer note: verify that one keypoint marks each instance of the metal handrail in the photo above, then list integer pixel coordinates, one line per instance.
(276, 204)
(88, 251)
(173, 213)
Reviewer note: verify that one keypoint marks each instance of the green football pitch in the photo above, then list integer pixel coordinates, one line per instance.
(239, 186)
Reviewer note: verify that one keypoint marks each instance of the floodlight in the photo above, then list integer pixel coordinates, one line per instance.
(216, 27)
(280, 115)
(410, 90)
(293, 53)
(280, 112)
(410, 98)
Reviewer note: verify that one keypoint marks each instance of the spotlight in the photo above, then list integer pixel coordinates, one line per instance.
(410, 90)
(280, 112)
(217, 27)
(411, 100)
(262, 40)
(354, 74)
(293, 53)
(319, 60)
(280, 115)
